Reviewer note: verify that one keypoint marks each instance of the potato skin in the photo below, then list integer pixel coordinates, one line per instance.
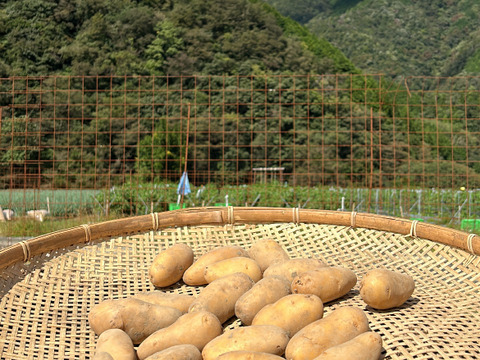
(195, 274)
(219, 297)
(102, 356)
(260, 338)
(384, 289)
(178, 301)
(341, 325)
(248, 355)
(117, 344)
(266, 291)
(230, 266)
(267, 252)
(366, 346)
(292, 268)
(291, 313)
(196, 328)
(137, 318)
(328, 283)
(169, 265)
(178, 352)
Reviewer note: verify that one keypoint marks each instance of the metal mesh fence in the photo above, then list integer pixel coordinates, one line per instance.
(118, 145)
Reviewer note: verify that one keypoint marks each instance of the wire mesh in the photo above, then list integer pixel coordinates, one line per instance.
(117, 145)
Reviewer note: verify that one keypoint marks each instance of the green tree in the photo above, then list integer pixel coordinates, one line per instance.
(160, 155)
(168, 42)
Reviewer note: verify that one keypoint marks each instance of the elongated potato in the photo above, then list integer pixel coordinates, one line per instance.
(169, 266)
(248, 355)
(219, 297)
(366, 346)
(385, 289)
(292, 268)
(328, 283)
(195, 274)
(266, 291)
(196, 328)
(267, 252)
(137, 318)
(178, 352)
(117, 344)
(233, 265)
(341, 325)
(291, 313)
(261, 338)
(178, 301)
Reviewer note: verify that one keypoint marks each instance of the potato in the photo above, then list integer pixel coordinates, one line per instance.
(230, 266)
(341, 325)
(178, 352)
(197, 328)
(219, 297)
(291, 312)
(168, 267)
(117, 344)
(178, 301)
(137, 318)
(102, 356)
(260, 338)
(328, 283)
(267, 252)
(292, 268)
(266, 291)
(248, 355)
(366, 346)
(385, 289)
(195, 274)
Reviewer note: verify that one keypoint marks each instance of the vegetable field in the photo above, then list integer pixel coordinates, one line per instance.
(444, 206)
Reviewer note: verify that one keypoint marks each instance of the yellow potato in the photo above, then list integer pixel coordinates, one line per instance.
(168, 267)
(194, 275)
(328, 283)
(261, 338)
(267, 252)
(197, 328)
(178, 301)
(178, 352)
(219, 297)
(117, 344)
(102, 356)
(137, 318)
(366, 346)
(385, 289)
(291, 313)
(233, 265)
(266, 291)
(292, 268)
(248, 355)
(341, 325)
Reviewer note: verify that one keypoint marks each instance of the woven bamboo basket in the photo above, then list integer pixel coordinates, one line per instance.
(49, 283)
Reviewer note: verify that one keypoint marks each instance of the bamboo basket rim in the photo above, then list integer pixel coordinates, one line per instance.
(230, 215)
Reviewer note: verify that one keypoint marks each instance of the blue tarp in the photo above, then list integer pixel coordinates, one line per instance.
(184, 185)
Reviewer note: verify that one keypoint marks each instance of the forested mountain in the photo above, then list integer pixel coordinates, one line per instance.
(85, 37)
(399, 38)
(64, 131)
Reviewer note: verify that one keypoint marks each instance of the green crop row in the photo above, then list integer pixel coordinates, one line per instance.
(438, 206)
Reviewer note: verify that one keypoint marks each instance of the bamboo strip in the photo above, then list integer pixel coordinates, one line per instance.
(234, 215)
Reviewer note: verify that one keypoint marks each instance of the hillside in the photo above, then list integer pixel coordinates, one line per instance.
(43, 37)
(400, 38)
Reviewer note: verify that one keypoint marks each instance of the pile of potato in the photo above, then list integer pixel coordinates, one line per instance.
(280, 302)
